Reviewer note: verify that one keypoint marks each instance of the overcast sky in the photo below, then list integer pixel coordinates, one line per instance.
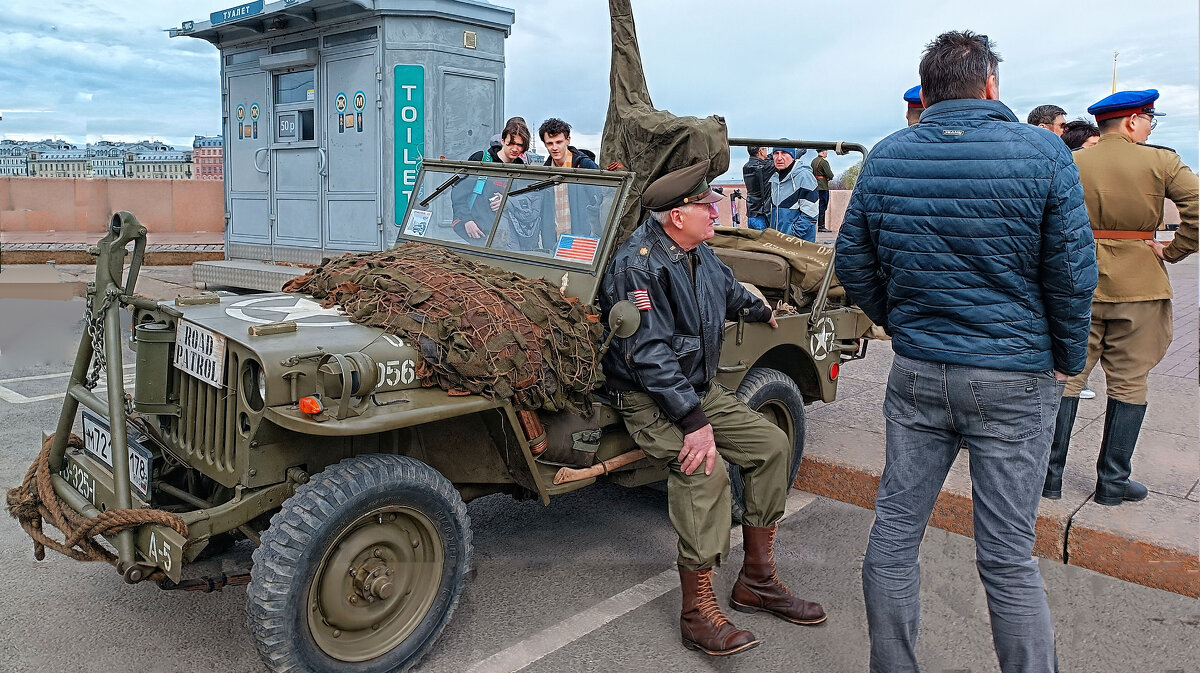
(88, 70)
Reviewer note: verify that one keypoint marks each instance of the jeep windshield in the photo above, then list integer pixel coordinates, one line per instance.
(557, 217)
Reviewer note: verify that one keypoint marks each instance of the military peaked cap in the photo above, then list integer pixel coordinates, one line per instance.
(913, 97)
(1124, 103)
(679, 188)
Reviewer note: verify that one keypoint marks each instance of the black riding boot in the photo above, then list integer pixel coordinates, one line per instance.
(1067, 407)
(1122, 423)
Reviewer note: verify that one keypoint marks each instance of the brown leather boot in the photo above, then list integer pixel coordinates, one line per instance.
(702, 625)
(758, 588)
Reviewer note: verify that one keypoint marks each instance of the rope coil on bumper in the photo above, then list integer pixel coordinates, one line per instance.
(35, 502)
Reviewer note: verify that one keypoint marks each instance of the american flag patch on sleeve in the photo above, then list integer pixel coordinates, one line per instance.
(640, 299)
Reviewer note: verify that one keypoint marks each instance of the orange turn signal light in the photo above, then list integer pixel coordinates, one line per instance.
(310, 405)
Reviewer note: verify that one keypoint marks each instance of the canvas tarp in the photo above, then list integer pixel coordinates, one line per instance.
(650, 142)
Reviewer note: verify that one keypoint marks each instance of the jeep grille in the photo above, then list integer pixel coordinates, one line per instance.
(205, 430)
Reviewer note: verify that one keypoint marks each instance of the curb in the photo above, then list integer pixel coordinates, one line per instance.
(1075, 536)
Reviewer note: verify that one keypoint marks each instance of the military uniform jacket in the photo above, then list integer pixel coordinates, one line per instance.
(674, 353)
(1124, 185)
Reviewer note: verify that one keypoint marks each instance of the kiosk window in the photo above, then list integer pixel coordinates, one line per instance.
(294, 46)
(294, 87)
(351, 37)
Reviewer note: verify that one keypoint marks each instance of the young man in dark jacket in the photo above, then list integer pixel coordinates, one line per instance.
(476, 200)
(967, 240)
(574, 208)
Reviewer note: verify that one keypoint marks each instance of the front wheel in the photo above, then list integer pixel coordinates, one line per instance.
(361, 570)
(775, 395)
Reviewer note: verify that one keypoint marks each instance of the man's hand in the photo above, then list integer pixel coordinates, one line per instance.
(698, 447)
(773, 322)
(1059, 376)
(473, 229)
(494, 202)
(1157, 248)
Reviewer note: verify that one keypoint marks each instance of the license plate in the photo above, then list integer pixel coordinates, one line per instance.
(97, 441)
(79, 479)
(200, 353)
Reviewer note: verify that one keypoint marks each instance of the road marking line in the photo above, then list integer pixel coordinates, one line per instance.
(13, 397)
(44, 376)
(554, 638)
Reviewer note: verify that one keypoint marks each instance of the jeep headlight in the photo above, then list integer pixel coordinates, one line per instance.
(254, 385)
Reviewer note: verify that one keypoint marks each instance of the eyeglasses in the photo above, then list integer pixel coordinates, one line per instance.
(1152, 118)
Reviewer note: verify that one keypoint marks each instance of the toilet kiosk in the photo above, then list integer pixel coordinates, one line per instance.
(328, 107)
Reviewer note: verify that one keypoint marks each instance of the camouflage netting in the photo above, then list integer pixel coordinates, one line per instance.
(479, 329)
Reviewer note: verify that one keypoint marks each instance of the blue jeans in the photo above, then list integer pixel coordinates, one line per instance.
(1006, 421)
(758, 222)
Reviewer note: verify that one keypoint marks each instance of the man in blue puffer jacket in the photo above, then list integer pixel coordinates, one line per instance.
(968, 241)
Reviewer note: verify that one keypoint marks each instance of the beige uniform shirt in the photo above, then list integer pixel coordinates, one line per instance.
(1124, 185)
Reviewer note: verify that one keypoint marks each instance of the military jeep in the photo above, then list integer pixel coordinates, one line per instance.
(274, 419)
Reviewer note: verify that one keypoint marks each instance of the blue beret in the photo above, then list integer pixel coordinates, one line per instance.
(1124, 103)
(913, 97)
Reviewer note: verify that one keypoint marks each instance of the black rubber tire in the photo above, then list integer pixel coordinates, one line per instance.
(296, 542)
(777, 392)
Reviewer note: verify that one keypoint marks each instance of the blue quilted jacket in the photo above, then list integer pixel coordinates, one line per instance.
(967, 240)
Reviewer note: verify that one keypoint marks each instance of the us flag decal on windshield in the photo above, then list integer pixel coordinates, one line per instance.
(640, 299)
(577, 248)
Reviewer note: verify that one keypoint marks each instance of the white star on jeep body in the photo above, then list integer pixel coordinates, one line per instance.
(303, 308)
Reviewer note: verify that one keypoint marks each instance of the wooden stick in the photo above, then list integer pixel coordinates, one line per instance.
(567, 474)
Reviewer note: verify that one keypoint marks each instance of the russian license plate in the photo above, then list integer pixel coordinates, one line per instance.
(200, 353)
(97, 441)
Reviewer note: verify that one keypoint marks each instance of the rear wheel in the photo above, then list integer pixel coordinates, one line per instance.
(361, 570)
(775, 395)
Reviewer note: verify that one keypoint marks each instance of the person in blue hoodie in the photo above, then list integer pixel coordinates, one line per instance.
(793, 195)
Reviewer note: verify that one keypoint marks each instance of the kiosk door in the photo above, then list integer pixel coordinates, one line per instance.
(247, 160)
(352, 180)
(299, 161)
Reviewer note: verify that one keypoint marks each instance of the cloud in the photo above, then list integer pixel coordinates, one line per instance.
(828, 71)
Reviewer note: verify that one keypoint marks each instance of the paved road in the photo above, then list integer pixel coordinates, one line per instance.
(583, 585)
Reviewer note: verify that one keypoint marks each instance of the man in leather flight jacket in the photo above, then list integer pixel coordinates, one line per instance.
(660, 379)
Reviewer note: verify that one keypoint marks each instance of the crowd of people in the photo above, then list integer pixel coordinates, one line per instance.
(1004, 259)
(533, 220)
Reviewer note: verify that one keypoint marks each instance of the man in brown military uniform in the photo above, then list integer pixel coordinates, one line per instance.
(1124, 184)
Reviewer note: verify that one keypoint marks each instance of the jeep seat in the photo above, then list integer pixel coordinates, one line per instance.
(757, 268)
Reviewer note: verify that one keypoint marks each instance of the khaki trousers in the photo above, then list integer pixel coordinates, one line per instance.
(1128, 339)
(699, 504)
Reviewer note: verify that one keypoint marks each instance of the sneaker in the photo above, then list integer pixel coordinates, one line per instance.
(1087, 394)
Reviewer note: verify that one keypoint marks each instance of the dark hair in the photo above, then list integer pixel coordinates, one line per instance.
(956, 65)
(516, 127)
(753, 151)
(1077, 132)
(1044, 114)
(1112, 125)
(553, 127)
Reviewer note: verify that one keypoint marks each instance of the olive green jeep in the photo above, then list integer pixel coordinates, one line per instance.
(270, 418)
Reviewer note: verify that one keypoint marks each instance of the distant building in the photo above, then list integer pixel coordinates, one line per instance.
(14, 158)
(208, 157)
(53, 158)
(159, 164)
(60, 163)
(108, 159)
